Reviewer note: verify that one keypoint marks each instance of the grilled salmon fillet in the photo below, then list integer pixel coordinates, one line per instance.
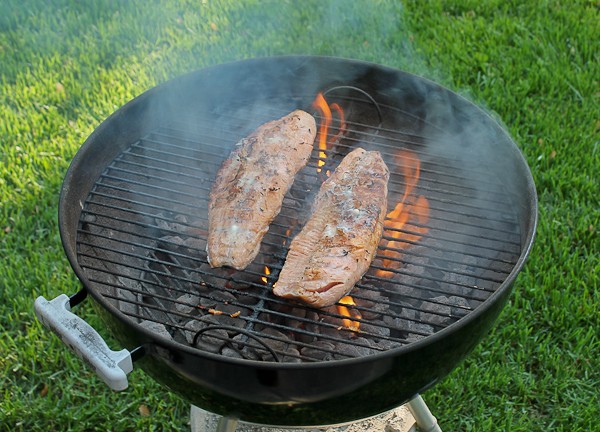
(250, 185)
(338, 243)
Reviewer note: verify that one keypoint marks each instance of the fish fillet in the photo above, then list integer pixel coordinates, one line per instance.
(250, 185)
(338, 243)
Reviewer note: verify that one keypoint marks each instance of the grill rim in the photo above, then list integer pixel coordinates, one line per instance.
(90, 147)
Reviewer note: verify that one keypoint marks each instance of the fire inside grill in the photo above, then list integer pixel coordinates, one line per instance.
(451, 238)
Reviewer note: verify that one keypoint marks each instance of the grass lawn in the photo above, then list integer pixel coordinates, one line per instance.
(67, 65)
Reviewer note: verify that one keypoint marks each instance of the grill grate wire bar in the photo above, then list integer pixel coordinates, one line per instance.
(158, 188)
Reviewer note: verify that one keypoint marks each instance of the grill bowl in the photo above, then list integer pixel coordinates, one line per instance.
(320, 392)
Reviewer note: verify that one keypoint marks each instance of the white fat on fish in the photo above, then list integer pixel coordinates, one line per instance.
(329, 230)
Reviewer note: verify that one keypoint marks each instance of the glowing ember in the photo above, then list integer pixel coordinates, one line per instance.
(404, 224)
(343, 310)
(325, 110)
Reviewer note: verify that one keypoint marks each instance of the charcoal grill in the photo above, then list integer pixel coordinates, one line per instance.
(133, 220)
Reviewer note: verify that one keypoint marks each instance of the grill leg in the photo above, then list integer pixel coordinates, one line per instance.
(227, 425)
(203, 421)
(426, 422)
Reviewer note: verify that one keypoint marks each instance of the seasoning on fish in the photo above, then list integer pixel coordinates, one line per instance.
(250, 185)
(338, 243)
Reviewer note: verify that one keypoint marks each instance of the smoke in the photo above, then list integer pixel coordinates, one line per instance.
(132, 46)
(366, 30)
(215, 32)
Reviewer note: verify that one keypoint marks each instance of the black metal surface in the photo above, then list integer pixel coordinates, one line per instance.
(133, 223)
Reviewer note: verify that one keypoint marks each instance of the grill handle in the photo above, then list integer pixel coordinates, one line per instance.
(111, 366)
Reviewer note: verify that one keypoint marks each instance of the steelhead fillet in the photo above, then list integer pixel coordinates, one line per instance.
(338, 243)
(250, 185)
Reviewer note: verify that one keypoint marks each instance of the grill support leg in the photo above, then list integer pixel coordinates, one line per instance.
(203, 421)
(426, 422)
(227, 424)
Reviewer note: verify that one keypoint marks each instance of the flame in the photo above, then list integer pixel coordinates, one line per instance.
(325, 110)
(404, 223)
(321, 104)
(343, 310)
(267, 273)
(342, 121)
(287, 236)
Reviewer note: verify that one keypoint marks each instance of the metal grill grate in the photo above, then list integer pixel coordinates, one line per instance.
(142, 240)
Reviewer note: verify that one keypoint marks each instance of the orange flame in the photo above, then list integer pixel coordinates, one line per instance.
(287, 236)
(325, 110)
(404, 222)
(343, 310)
(267, 273)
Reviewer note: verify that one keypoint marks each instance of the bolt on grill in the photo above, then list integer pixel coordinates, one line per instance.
(143, 228)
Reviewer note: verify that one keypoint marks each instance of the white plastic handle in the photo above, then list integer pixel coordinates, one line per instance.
(111, 366)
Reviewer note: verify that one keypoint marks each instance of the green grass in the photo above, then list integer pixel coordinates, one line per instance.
(66, 65)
